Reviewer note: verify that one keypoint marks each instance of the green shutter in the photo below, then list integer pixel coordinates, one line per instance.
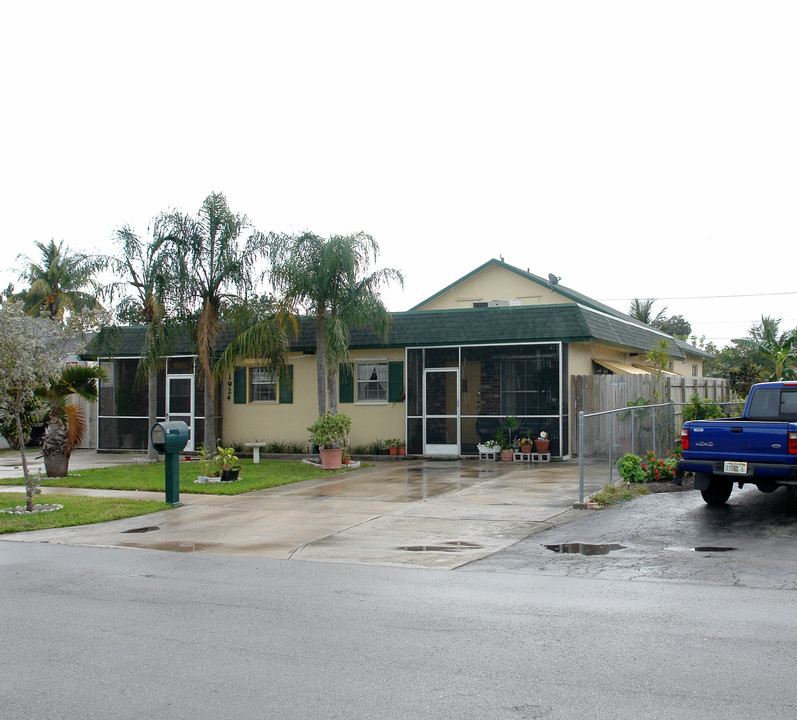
(345, 384)
(239, 386)
(395, 381)
(286, 386)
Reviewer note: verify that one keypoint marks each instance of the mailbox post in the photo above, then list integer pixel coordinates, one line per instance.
(169, 439)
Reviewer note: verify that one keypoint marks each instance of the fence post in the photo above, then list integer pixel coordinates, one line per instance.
(611, 448)
(581, 456)
(654, 431)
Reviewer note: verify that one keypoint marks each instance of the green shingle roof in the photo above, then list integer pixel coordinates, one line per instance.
(568, 323)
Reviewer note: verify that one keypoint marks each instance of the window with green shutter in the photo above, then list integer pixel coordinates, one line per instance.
(239, 386)
(286, 386)
(345, 384)
(395, 382)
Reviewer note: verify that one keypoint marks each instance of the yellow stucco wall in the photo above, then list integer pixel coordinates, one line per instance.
(495, 283)
(269, 421)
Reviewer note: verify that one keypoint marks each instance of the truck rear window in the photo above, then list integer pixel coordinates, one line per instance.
(773, 404)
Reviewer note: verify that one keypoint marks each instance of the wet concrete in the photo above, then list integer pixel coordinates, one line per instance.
(458, 511)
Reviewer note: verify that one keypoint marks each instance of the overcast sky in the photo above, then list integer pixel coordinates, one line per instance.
(635, 149)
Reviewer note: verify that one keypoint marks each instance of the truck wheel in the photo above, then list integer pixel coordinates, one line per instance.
(718, 491)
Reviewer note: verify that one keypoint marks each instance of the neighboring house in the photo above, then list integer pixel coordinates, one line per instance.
(497, 342)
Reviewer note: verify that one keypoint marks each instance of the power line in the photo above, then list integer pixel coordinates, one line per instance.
(703, 297)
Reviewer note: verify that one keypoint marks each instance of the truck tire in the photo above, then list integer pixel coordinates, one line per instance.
(718, 491)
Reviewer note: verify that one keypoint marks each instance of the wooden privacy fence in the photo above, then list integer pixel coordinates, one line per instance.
(602, 393)
(598, 393)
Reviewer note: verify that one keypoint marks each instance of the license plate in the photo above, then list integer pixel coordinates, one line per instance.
(736, 468)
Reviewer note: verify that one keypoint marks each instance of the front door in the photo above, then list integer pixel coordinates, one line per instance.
(180, 403)
(441, 411)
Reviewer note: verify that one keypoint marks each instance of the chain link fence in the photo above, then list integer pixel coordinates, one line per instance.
(604, 437)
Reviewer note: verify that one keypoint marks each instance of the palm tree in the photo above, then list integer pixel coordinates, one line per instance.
(144, 271)
(217, 268)
(67, 424)
(642, 310)
(329, 279)
(61, 282)
(777, 350)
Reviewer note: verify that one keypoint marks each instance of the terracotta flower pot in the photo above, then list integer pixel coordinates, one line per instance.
(507, 455)
(393, 450)
(525, 449)
(542, 445)
(402, 451)
(331, 458)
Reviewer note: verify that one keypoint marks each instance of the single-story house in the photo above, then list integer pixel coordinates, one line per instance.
(497, 342)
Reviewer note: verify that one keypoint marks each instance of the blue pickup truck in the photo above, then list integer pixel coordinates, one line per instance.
(759, 448)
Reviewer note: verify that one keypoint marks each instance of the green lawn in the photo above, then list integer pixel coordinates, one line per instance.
(150, 476)
(77, 510)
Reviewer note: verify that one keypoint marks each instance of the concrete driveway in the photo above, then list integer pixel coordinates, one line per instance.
(439, 514)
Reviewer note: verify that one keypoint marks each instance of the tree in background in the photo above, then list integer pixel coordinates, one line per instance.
(61, 282)
(642, 310)
(677, 326)
(146, 274)
(218, 253)
(777, 350)
(331, 281)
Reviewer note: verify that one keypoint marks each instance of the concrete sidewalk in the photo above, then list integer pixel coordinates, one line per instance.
(427, 513)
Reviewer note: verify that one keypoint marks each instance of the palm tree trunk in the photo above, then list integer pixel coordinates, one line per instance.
(332, 390)
(56, 461)
(210, 417)
(321, 367)
(152, 407)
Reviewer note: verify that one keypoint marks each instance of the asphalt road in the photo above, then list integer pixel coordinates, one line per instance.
(656, 630)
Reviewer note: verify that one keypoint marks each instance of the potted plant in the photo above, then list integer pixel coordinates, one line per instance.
(542, 442)
(525, 445)
(392, 446)
(504, 445)
(329, 434)
(227, 463)
(402, 447)
(346, 459)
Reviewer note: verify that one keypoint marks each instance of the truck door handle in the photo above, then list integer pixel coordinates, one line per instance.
(736, 429)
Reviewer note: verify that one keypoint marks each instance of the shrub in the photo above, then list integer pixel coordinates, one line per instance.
(701, 409)
(630, 468)
(658, 469)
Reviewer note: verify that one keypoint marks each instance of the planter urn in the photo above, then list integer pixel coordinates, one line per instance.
(331, 458)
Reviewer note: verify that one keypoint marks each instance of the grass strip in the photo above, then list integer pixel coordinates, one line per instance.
(614, 493)
(77, 510)
(151, 477)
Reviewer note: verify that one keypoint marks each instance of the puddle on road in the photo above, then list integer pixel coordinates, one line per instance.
(584, 548)
(174, 546)
(452, 546)
(149, 528)
(709, 548)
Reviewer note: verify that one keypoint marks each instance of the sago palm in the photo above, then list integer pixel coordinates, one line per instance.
(67, 424)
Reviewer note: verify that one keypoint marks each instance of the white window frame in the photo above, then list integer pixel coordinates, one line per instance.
(270, 379)
(372, 364)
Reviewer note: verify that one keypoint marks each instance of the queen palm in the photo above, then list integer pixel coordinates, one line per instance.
(330, 280)
(218, 253)
(67, 424)
(61, 281)
(145, 277)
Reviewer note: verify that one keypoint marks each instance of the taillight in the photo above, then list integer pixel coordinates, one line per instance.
(685, 439)
(792, 443)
